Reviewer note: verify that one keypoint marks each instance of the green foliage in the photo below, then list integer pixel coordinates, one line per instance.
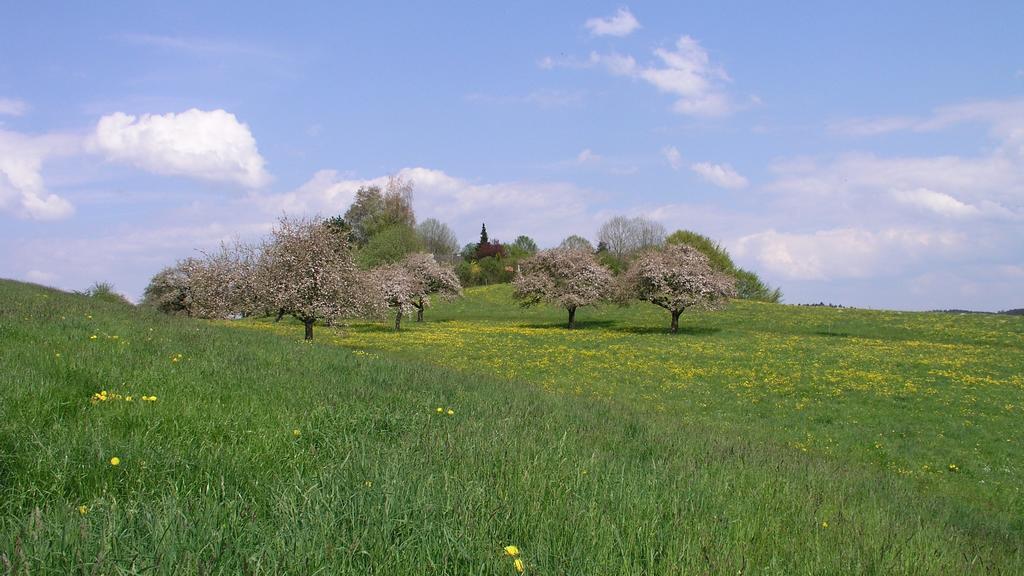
(105, 292)
(720, 454)
(483, 235)
(375, 211)
(388, 246)
(716, 253)
(576, 242)
(522, 247)
(468, 251)
(339, 226)
(749, 285)
(486, 271)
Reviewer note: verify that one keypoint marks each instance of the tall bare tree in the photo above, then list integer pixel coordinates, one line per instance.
(438, 238)
(625, 237)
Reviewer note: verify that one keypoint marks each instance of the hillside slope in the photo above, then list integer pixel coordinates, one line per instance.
(262, 454)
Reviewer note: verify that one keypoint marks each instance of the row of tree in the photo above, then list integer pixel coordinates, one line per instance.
(307, 269)
(675, 277)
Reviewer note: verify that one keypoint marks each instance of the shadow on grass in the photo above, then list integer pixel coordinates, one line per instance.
(580, 325)
(833, 334)
(683, 330)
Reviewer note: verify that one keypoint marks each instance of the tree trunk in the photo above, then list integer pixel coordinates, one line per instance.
(419, 311)
(572, 317)
(398, 320)
(280, 314)
(675, 321)
(309, 329)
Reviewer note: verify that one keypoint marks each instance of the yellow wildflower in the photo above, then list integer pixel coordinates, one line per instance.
(451, 412)
(127, 398)
(93, 337)
(954, 468)
(519, 566)
(824, 524)
(439, 409)
(512, 551)
(296, 433)
(115, 461)
(83, 510)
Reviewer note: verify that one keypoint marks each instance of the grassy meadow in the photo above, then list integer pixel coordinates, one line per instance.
(763, 439)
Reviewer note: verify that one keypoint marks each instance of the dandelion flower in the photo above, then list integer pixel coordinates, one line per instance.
(296, 433)
(512, 551)
(824, 524)
(83, 510)
(440, 410)
(519, 566)
(451, 412)
(115, 461)
(93, 337)
(954, 468)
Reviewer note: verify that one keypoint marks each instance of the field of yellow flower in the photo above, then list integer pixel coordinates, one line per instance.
(917, 394)
(490, 440)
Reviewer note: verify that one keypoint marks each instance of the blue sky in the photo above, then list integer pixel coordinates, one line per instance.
(864, 154)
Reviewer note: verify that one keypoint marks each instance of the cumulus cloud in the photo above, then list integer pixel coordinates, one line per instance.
(685, 71)
(11, 107)
(22, 190)
(937, 202)
(208, 145)
(995, 182)
(672, 155)
(721, 175)
(623, 23)
(842, 253)
(542, 209)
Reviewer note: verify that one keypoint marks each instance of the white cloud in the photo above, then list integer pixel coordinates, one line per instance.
(10, 107)
(672, 155)
(22, 190)
(843, 252)
(587, 156)
(623, 23)
(685, 72)
(996, 179)
(208, 145)
(937, 202)
(721, 175)
(543, 210)
(1005, 118)
(40, 277)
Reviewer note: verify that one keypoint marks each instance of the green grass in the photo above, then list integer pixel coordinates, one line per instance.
(615, 449)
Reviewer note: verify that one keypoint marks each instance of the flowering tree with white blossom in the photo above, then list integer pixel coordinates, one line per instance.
(678, 277)
(562, 277)
(306, 271)
(408, 285)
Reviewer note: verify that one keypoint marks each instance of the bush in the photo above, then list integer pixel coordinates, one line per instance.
(389, 246)
(748, 285)
(105, 291)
